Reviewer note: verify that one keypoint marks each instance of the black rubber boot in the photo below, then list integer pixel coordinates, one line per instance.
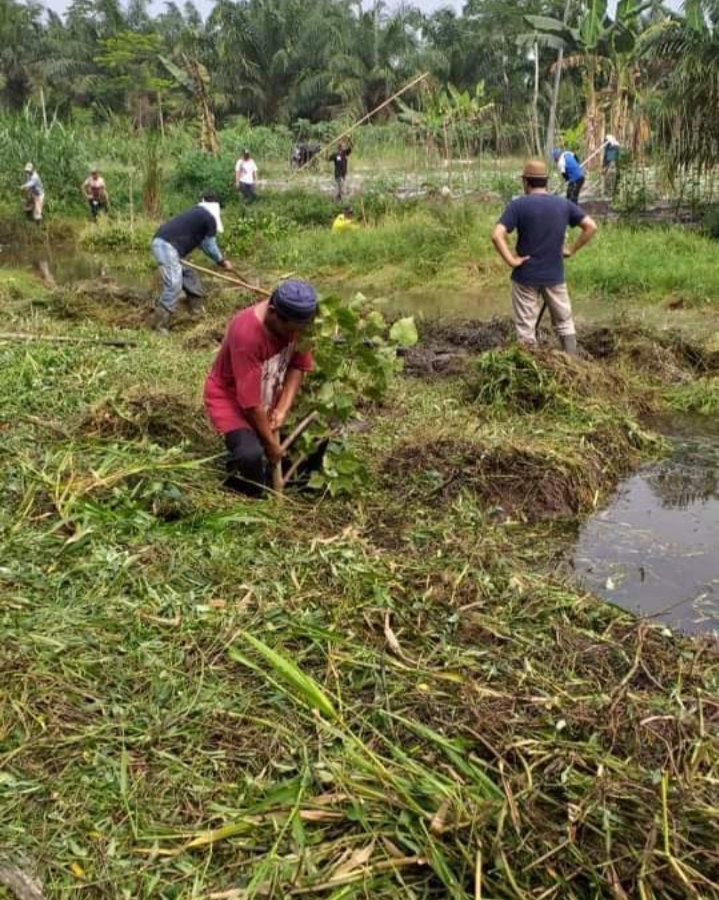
(569, 343)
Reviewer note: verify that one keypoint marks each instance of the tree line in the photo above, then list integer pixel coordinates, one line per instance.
(644, 70)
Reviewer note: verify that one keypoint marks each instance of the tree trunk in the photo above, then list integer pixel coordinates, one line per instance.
(535, 102)
(552, 122)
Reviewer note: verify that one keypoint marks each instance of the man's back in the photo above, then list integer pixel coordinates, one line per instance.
(541, 222)
(188, 229)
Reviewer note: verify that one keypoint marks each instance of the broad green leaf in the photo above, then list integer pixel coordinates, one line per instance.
(404, 332)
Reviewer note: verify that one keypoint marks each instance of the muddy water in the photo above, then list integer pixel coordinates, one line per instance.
(655, 548)
(64, 264)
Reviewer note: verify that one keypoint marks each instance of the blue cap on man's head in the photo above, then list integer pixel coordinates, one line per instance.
(556, 153)
(295, 301)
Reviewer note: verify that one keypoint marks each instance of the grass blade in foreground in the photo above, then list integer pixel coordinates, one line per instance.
(305, 687)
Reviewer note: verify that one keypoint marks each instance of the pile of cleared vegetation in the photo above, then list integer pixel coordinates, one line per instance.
(166, 418)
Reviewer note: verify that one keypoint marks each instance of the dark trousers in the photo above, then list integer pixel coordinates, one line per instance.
(248, 470)
(248, 192)
(574, 189)
(96, 207)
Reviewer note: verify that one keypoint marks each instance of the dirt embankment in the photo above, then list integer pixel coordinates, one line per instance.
(587, 438)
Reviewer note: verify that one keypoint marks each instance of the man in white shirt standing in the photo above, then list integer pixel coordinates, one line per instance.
(246, 176)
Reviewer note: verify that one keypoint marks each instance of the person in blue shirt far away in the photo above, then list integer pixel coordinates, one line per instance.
(176, 239)
(571, 171)
(541, 221)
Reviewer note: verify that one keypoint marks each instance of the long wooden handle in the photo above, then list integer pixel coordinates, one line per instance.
(364, 119)
(230, 279)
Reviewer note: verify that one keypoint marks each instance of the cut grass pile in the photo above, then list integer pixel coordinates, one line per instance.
(390, 696)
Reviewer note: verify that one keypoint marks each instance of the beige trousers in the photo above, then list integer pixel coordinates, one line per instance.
(34, 204)
(527, 304)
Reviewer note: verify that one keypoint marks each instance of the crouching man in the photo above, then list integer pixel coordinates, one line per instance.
(541, 221)
(254, 380)
(196, 227)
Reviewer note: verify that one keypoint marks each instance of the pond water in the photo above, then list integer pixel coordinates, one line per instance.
(654, 549)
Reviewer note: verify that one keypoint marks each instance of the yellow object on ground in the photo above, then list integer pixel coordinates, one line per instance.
(342, 223)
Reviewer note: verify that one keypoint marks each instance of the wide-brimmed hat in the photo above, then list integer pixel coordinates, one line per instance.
(29, 167)
(535, 168)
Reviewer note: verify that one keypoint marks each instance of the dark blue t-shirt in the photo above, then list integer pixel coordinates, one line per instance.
(541, 222)
(188, 230)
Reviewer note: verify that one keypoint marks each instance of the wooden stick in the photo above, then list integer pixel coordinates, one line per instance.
(63, 339)
(364, 119)
(302, 427)
(231, 279)
(278, 480)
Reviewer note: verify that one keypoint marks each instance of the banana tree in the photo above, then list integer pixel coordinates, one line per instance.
(194, 78)
(597, 45)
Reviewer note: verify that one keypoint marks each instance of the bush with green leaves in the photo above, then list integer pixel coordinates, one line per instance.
(355, 353)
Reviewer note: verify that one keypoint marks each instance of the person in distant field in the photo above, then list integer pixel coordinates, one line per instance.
(246, 176)
(33, 194)
(196, 227)
(541, 221)
(571, 171)
(339, 158)
(610, 163)
(94, 190)
(254, 380)
(345, 221)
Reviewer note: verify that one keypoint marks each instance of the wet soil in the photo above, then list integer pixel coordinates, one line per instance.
(446, 347)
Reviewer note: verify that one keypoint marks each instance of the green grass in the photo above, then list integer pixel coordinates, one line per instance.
(394, 695)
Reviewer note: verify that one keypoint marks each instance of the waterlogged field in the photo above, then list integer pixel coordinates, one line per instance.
(394, 691)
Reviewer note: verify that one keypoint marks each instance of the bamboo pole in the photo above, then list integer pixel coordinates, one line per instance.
(231, 279)
(63, 339)
(364, 119)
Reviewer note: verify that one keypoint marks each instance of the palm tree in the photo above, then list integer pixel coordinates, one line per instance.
(383, 54)
(685, 50)
(271, 54)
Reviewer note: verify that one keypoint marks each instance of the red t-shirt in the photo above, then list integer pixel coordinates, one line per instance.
(249, 370)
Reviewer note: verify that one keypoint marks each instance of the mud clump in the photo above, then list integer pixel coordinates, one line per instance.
(446, 347)
(161, 417)
(532, 484)
(666, 355)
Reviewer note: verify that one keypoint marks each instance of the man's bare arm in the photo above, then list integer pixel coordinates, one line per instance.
(260, 421)
(588, 229)
(499, 239)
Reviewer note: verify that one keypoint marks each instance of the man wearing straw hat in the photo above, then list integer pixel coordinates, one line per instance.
(196, 227)
(255, 379)
(541, 221)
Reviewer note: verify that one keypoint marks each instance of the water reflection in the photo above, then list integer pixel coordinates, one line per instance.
(655, 548)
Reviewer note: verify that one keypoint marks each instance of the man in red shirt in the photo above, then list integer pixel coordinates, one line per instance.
(255, 378)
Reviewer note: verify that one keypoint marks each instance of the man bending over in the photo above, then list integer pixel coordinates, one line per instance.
(254, 380)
